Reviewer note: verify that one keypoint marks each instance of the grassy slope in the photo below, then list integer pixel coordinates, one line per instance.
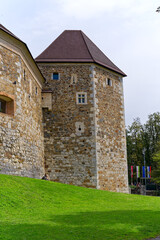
(32, 209)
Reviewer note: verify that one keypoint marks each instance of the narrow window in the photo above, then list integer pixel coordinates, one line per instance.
(109, 82)
(55, 76)
(24, 74)
(36, 91)
(74, 80)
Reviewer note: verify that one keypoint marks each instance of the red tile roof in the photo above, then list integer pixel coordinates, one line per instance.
(75, 46)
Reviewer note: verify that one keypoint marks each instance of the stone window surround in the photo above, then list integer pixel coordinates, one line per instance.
(73, 78)
(77, 97)
(79, 128)
(30, 87)
(10, 103)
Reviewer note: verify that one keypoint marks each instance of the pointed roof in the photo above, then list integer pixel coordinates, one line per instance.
(75, 46)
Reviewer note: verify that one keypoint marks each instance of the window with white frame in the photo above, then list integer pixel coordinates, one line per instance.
(81, 98)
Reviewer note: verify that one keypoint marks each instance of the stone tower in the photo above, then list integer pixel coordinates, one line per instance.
(83, 115)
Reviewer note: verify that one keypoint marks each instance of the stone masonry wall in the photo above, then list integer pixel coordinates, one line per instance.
(110, 128)
(21, 135)
(69, 132)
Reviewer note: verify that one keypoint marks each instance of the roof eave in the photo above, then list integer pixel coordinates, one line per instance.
(25, 45)
(80, 61)
(113, 69)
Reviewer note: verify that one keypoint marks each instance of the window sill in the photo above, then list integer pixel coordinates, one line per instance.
(6, 114)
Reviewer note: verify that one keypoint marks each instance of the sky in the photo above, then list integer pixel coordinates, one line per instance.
(127, 31)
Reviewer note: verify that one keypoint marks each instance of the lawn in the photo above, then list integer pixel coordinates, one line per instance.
(32, 209)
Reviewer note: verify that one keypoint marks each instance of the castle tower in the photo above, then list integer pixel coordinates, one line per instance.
(21, 133)
(83, 115)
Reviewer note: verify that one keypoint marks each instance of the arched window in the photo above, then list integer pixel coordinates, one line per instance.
(6, 104)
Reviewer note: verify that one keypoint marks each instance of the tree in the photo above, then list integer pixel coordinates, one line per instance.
(134, 144)
(144, 136)
(156, 169)
(152, 136)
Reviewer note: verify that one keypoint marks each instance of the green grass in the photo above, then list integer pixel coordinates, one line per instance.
(32, 209)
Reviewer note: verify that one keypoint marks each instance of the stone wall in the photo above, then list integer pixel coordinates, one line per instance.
(110, 131)
(83, 142)
(69, 132)
(21, 134)
(95, 156)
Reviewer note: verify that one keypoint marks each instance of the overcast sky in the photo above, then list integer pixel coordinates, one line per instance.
(127, 31)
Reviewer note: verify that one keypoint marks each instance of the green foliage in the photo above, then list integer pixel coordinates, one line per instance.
(143, 136)
(135, 142)
(134, 135)
(156, 170)
(32, 209)
(133, 186)
(152, 135)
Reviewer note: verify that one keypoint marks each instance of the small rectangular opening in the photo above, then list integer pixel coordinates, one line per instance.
(109, 82)
(55, 76)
